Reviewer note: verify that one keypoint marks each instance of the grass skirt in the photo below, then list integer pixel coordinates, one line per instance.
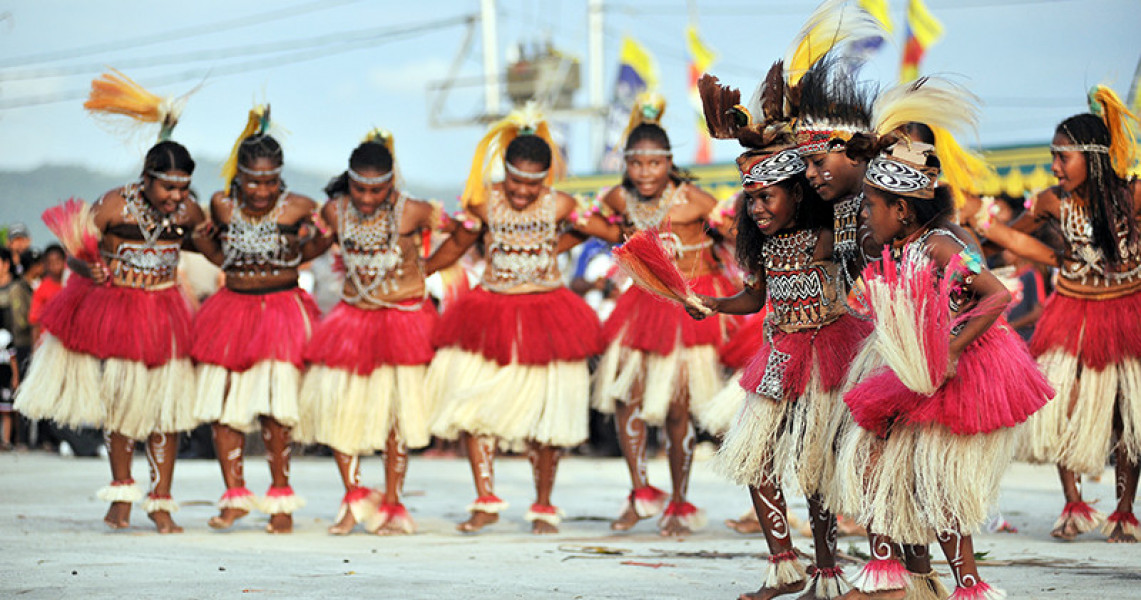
(367, 376)
(114, 358)
(249, 352)
(1090, 350)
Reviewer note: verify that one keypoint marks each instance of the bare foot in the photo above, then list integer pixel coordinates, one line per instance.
(345, 525)
(628, 519)
(280, 523)
(673, 527)
(1067, 530)
(766, 593)
(855, 594)
(163, 522)
(118, 515)
(1118, 536)
(226, 519)
(744, 525)
(541, 527)
(479, 519)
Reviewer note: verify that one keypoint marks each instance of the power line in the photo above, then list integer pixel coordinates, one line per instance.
(173, 35)
(397, 34)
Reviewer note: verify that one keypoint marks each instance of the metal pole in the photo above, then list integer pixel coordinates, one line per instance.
(596, 68)
(490, 59)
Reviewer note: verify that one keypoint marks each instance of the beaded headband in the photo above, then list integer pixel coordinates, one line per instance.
(361, 179)
(648, 152)
(763, 170)
(524, 174)
(168, 177)
(901, 170)
(817, 138)
(1100, 149)
(253, 173)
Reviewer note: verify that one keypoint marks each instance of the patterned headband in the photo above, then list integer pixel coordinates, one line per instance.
(903, 178)
(253, 173)
(361, 179)
(168, 177)
(1098, 148)
(763, 170)
(822, 136)
(524, 174)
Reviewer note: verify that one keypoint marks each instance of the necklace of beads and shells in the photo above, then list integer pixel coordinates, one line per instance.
(371, 248)
(522, 247)
(1087, 262)
(257, 243)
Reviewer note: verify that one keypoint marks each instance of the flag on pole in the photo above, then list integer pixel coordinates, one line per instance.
(701, 58)
(637, 73)
(923, 30)
(880, 10)
(860, 50)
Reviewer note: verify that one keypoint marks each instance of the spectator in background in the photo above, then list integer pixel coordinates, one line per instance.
(15, 296)
(54, 264)
(19, 242)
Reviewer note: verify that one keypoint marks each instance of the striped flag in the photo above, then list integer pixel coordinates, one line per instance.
(636, 74)
(923, 30)
(701, 57)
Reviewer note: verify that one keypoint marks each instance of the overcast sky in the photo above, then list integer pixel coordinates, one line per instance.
(1030, 61)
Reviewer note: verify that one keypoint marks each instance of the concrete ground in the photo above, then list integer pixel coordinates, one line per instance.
(54, 543)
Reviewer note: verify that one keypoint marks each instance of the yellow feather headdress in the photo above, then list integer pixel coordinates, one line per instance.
(1122, 135)
(257, 123)
(831, 23)
(385, 138)
(648, 108)
(113, 93)
(492, 148)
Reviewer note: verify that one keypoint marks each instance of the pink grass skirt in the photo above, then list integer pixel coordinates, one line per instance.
(360, 340)
(1099, 332)
(834, 347)
(237, 331)
(643, 320)
(743, 344)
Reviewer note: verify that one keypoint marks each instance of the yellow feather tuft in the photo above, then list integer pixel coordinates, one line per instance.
(648, 108)
(831, 23)
(492, 148)
(933, 101)
(382, 136)
(1122, 135)
(113, 93)
(962, 169)
(255, 123)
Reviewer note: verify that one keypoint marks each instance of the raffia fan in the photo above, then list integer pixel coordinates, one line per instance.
(650, 265)
(72, 223)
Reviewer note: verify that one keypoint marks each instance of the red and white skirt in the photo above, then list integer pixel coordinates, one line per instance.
(653, 344)
(113, 357)
(787, 426)
(717, 415)
(513, 366)
(366, 378)
(249, 349)
(1090, 350)
(915, 465)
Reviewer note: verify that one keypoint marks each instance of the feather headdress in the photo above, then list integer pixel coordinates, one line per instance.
(257, 123)
(832, 22)
(493, 147)
(113, 93)
(1106, 104)
(648, 108)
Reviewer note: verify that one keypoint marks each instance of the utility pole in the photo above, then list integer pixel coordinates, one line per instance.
(490, 59)
(596, 68)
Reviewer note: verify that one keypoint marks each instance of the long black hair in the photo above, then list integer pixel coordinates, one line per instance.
(653, 133)
(1107, 194)
(167, 156)
(528, 148)
(812, 213)
(368, 155)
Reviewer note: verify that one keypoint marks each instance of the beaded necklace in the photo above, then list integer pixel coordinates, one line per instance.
(523, 243)
(1088, 263)
(252, 243)
(650, 214)
(371, 248)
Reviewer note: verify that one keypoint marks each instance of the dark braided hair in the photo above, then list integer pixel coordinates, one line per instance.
(813, 213)
(653, 133)
(369, 155)
(528, 148)
(1106, 193)
(259, 145)
(168, 156)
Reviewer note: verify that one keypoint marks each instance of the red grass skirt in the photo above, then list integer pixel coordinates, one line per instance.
(1099, 332)
(237, 331)
(833, 347)
(360, 340)
(105, 321)
(642, 320)
(996, 385)
(743, 344)
(522, 329)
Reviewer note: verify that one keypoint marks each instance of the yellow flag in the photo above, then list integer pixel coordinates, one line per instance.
(924, 26)
(879, 9)
(639, 59)
(702, 55)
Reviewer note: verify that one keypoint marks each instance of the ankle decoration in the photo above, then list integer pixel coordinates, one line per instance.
(784, 569)
(979, 591)
(927, 586)
(281, 500)
(1127, 521)
(488, 504)
(689, 515)
(359, 501)
(120, 490)
(647, 502)
(545, 513)
(881, 574)
(1082, 515)
(159, 503)
(826, 583)
(240, 498)
(393, 517)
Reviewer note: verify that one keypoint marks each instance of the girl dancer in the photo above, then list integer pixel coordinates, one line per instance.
(660, 364)
(364, 390)
(115, 352)
(250, 335)
(511, 365)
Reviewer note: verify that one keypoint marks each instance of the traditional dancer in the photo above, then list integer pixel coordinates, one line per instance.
(511, 366)
(115, 352)
(660, 365)
(364, 390)
(1088, 339)
(924, 462)
(250, 335)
